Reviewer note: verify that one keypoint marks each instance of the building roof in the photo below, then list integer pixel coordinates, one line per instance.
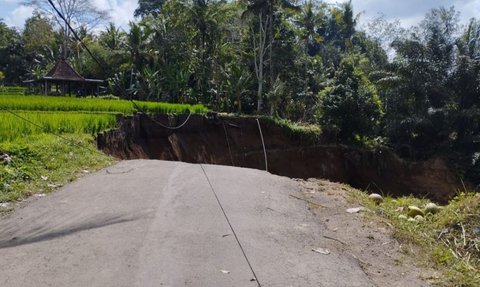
(63, 71)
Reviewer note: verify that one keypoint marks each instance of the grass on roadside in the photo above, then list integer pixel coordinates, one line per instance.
(448, 240)
(40, 163)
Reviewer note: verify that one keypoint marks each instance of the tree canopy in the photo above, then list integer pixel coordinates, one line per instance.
(415, 90)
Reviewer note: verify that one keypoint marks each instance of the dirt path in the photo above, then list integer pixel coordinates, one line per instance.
(366, 238)
(158, 223)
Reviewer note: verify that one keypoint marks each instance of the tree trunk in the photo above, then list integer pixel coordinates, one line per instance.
(65, 41)
(259, 57)
(239, 103)
(260, 82)
(270, 52)
(259, 92)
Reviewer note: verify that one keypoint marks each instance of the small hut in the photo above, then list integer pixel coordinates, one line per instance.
(62, 80)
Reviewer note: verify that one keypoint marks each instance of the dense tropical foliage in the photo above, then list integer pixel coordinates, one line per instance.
(415, 90)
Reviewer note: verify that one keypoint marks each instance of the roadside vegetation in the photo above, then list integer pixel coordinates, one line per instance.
(40, 163)
(446, 238)
(414, 90)
(48, 141)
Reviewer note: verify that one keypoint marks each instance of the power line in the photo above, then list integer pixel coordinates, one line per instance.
(76, 35)
(231, 227)
(102, 66)
(263, 144)
(228, 143)
(159, 123)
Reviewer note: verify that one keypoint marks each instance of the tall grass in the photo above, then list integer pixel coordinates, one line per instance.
(41, 163)
(446, 241)
(49, 103)
(12, 127)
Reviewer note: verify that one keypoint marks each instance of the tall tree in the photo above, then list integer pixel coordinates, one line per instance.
(112, 37)
(13, 61)
(79, 13)
(148, 7)
(137, 43)
(419, 94)
(41, 44)
(265, 16)
(308, 22)
(349, 22)
(351, 104)
(39, 34)
(258, 12)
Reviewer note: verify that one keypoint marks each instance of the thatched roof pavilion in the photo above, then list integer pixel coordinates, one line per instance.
(62, 79)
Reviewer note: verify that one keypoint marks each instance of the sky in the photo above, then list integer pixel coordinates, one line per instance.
(409, 12)
(121, 11)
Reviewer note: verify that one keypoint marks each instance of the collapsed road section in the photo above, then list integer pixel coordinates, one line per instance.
(237, 141)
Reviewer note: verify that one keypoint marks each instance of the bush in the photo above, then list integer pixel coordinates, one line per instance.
(350, 103)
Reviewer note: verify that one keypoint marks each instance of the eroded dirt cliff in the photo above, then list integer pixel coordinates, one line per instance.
(236, 141)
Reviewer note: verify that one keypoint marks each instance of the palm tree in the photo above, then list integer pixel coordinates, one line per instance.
(350, 23)
(137, 40)
(309, 20)
(113, 38)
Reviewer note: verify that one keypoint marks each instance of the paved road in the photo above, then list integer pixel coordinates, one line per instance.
(157, 223)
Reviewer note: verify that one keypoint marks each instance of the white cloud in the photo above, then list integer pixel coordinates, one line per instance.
(410, 12)
(18, 16)
(101, 4)
(469, 9)
(120, 11)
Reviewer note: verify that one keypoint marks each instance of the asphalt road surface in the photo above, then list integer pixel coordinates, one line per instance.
(158, 223)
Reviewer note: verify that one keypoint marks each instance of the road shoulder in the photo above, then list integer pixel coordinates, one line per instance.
(363, 236)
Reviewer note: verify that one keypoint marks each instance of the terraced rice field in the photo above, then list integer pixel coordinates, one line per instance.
(54, 114)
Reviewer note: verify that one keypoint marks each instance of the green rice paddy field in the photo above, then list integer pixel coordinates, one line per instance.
(56, 103)
(13, 127)
(34, 159)
(54, 114)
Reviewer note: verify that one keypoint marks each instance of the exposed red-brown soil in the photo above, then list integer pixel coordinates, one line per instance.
(236, 141)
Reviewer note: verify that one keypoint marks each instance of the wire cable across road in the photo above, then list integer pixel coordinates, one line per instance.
(263, 144)
(231, 227)
(159, 123)
(102, 66)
